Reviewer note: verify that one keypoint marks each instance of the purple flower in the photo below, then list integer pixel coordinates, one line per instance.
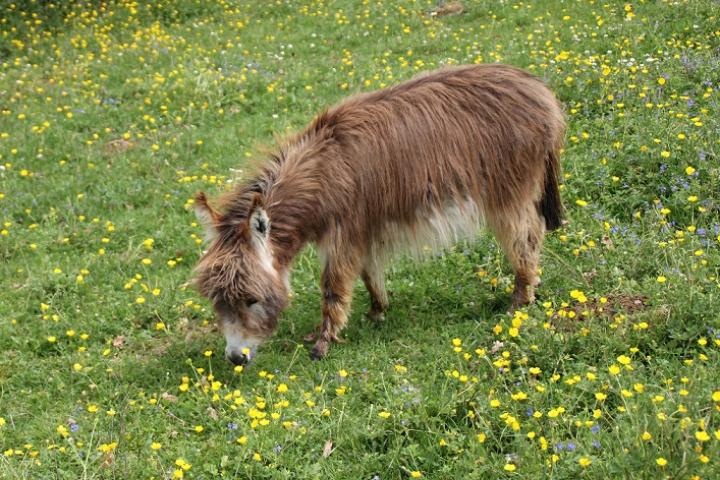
(595, 428)
(277, 448)
(596, 444)
(232, 426)
(571, 447)
(74, 427)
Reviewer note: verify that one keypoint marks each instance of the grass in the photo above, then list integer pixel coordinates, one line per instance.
(113, 114)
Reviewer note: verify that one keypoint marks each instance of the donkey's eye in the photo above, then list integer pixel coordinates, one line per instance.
(250, 302)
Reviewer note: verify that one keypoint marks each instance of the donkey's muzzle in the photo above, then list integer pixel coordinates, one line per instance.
(237, 358)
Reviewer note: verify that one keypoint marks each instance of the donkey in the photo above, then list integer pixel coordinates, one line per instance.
(420, 164)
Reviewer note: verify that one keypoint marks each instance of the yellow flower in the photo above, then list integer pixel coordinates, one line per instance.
(384, 414)
(646, 436)
(416, 474)
(661, 461)
(702, 436)
(156, 446)
(624, 360)
(614, 369)
(282, 388)
(199, 428)
(584, 462)
(716, 396)
(481, 437)
(509, 467)
(107, 447)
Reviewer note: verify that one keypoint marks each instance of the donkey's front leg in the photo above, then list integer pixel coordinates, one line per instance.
(337, 282)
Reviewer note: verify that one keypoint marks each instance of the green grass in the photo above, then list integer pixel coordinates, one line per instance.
(113, 115)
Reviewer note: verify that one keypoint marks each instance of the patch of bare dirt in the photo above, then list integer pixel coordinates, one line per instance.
(620, 303)
(119, 145)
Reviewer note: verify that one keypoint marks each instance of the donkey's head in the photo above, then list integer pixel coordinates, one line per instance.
(239, 274)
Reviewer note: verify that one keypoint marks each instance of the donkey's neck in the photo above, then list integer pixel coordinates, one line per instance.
(296, 199)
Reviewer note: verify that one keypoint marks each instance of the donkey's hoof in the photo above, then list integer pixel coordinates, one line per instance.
(376, 316)
(319, 351)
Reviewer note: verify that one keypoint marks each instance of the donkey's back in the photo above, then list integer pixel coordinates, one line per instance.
(488, 134)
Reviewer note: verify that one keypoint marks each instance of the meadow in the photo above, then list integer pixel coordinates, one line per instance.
(114, 113)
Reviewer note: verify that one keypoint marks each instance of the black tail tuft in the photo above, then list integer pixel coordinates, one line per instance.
(550, 204)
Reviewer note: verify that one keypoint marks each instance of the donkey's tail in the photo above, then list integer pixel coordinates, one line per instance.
(550, 204)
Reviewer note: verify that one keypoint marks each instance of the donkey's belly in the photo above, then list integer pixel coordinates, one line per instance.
(430, 230)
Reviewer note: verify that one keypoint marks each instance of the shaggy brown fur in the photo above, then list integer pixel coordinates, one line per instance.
(416, 165)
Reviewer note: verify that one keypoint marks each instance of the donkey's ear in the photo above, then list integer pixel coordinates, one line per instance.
(207, 216)
(258, 220)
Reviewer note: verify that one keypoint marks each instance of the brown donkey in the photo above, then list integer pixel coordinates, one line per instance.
(423, 163)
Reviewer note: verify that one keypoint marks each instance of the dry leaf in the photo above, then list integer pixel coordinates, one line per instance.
(168, 397)
(328, 449)
(212, 413)
(497, 345)
(119, 341)
(108, 460)
(449, 8)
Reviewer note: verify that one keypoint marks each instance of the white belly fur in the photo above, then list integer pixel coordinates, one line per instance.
(432, 230)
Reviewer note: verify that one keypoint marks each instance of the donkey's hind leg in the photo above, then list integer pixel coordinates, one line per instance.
(373, 276)
(521, 236)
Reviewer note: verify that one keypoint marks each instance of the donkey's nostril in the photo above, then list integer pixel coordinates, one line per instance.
(237, 358)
